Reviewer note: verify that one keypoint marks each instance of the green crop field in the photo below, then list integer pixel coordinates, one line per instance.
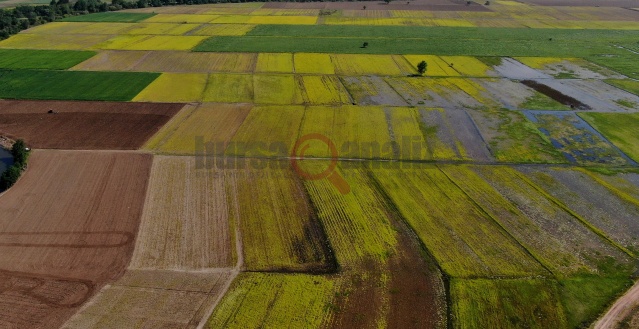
(109, 17)
(421, 164)
(42, 59)
(66, 85)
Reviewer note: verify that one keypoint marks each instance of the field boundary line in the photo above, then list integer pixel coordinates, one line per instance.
(583, 221)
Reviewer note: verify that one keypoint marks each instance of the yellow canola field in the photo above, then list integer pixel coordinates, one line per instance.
(357, 131)
(146, 42)
(468, 66)
(274, 62)
(174, 87)
(435, 65)
(275, 128)
(540, 62)
(161, 28)
(229, 88)
(223, 29)
(180, 18)
(276, 89)
(313, 63)
(324, 89)
(348, 64)
(53, 41)
(213, 122)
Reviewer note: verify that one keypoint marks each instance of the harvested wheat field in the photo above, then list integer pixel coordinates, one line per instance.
(152, 299)
(67, 228)
(84, 125)
(185, 227)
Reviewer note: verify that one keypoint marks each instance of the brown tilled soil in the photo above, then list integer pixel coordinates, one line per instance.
(83, 125)
(585, 3)
(556, 95)
(66, 228)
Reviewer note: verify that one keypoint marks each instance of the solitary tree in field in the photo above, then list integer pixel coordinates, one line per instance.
(365, 45)
(388, 1)
(421, 67)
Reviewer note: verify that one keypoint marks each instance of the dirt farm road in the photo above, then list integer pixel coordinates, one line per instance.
(620, 309)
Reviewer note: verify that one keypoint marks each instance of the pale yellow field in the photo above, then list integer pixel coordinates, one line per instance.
(324, 89)
(274, 62)
(80, 28)
(347, 64)
(180, 18)
(179, 61)
(146, 42)
(214, 123)
(276, 89)
(174, 87)
(161, 28)
(274, 127)
(313, 63)
(364, 125)
(435, 65)
(222, 29)
(111, 60)
(186, 226)
(229, 88)
(53, 41)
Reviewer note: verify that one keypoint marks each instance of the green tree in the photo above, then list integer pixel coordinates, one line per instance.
(9, 177)
(421, 67)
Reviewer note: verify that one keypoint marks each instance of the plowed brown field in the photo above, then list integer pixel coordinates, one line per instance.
(66, 228)
(84, 125)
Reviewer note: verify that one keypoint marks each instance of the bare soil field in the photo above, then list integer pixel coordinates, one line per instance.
(83, 125)
(66, 228)
(152, 299)
(185, 223)
(585, 3)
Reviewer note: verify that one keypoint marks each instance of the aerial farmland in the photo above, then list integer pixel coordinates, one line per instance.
(402, 164)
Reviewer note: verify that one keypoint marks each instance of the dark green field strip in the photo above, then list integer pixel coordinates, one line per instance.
(73, 85)
(446, 33)
(109, 17)
(405, 46)
(42, 59)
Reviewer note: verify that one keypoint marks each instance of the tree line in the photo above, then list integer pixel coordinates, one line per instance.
(23, 17)
(20, 154)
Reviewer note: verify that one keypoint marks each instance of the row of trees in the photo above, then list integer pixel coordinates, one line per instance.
(20, 154)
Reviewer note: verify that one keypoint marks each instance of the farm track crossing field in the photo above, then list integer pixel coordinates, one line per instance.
(67, 227)
(67, 85)
(83, 125)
